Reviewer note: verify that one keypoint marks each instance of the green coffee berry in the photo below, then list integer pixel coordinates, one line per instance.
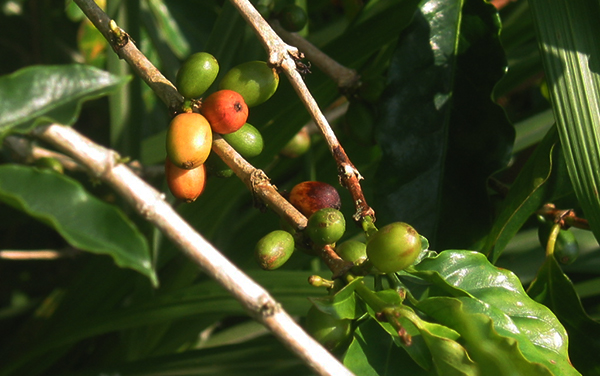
(247, 141)
(197, 73)
(274, 249)
(394, 247)
(352, 251)
(326, 226)
(254, 80)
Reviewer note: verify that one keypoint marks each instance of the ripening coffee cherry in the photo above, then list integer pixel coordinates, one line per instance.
(394, 247)
(566, 247)
(189, 140)
(247, 141)
(225, 110)
(310, 196)
(254, 80)
(326, 226)
(352, 251)
(274, 249)
(196, 74)
(184, 184)
(333, 333)
(293, 18)
(298, 145)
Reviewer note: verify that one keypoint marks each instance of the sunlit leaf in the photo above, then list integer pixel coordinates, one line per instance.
(566, 33)
(45, 94)
(498, 296)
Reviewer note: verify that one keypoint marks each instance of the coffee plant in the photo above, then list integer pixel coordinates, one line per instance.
(268, 187)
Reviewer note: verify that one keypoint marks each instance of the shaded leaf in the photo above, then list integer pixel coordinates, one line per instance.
(373, 352)
(200, 300)
(541, 180)
(39, 94)
(440, 133)
(82, 219)
(554, 289)
(264, 356)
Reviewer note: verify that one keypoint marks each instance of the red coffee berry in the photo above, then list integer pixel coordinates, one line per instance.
(225, 110)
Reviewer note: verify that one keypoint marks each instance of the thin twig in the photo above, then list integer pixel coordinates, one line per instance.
(345, 78)
(29, 153)
(287, 58)
(38, 254)
(150, 203)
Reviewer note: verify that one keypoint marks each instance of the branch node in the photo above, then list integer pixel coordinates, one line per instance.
(268, 309)
(118, 37)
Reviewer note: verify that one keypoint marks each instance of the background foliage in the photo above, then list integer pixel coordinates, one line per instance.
(469, 96)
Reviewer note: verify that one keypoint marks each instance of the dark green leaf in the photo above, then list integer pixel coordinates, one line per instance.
(542, 179)
(83, 220)
(262, 357)
(39, 94)
(199, 300)
(440, 133)
(554, 289)
(498, 295)
(374, 353)
(343, 304)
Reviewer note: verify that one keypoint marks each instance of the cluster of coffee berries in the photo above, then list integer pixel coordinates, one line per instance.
(225, 111)
(390, 249)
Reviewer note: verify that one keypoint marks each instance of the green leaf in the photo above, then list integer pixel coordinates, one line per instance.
(168, 28)
(197, 301)
(440, 133)
(554, 289)
(542, 179)
(51, 94)
(448, 356)
(494, 354)
(85, 222)
(498, 294)
(343, 304)
(261, 357)
(566, 32)
(373, 352)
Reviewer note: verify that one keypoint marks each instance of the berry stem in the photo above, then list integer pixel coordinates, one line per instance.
(565, 217)
(334, 262)
(552, 240)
